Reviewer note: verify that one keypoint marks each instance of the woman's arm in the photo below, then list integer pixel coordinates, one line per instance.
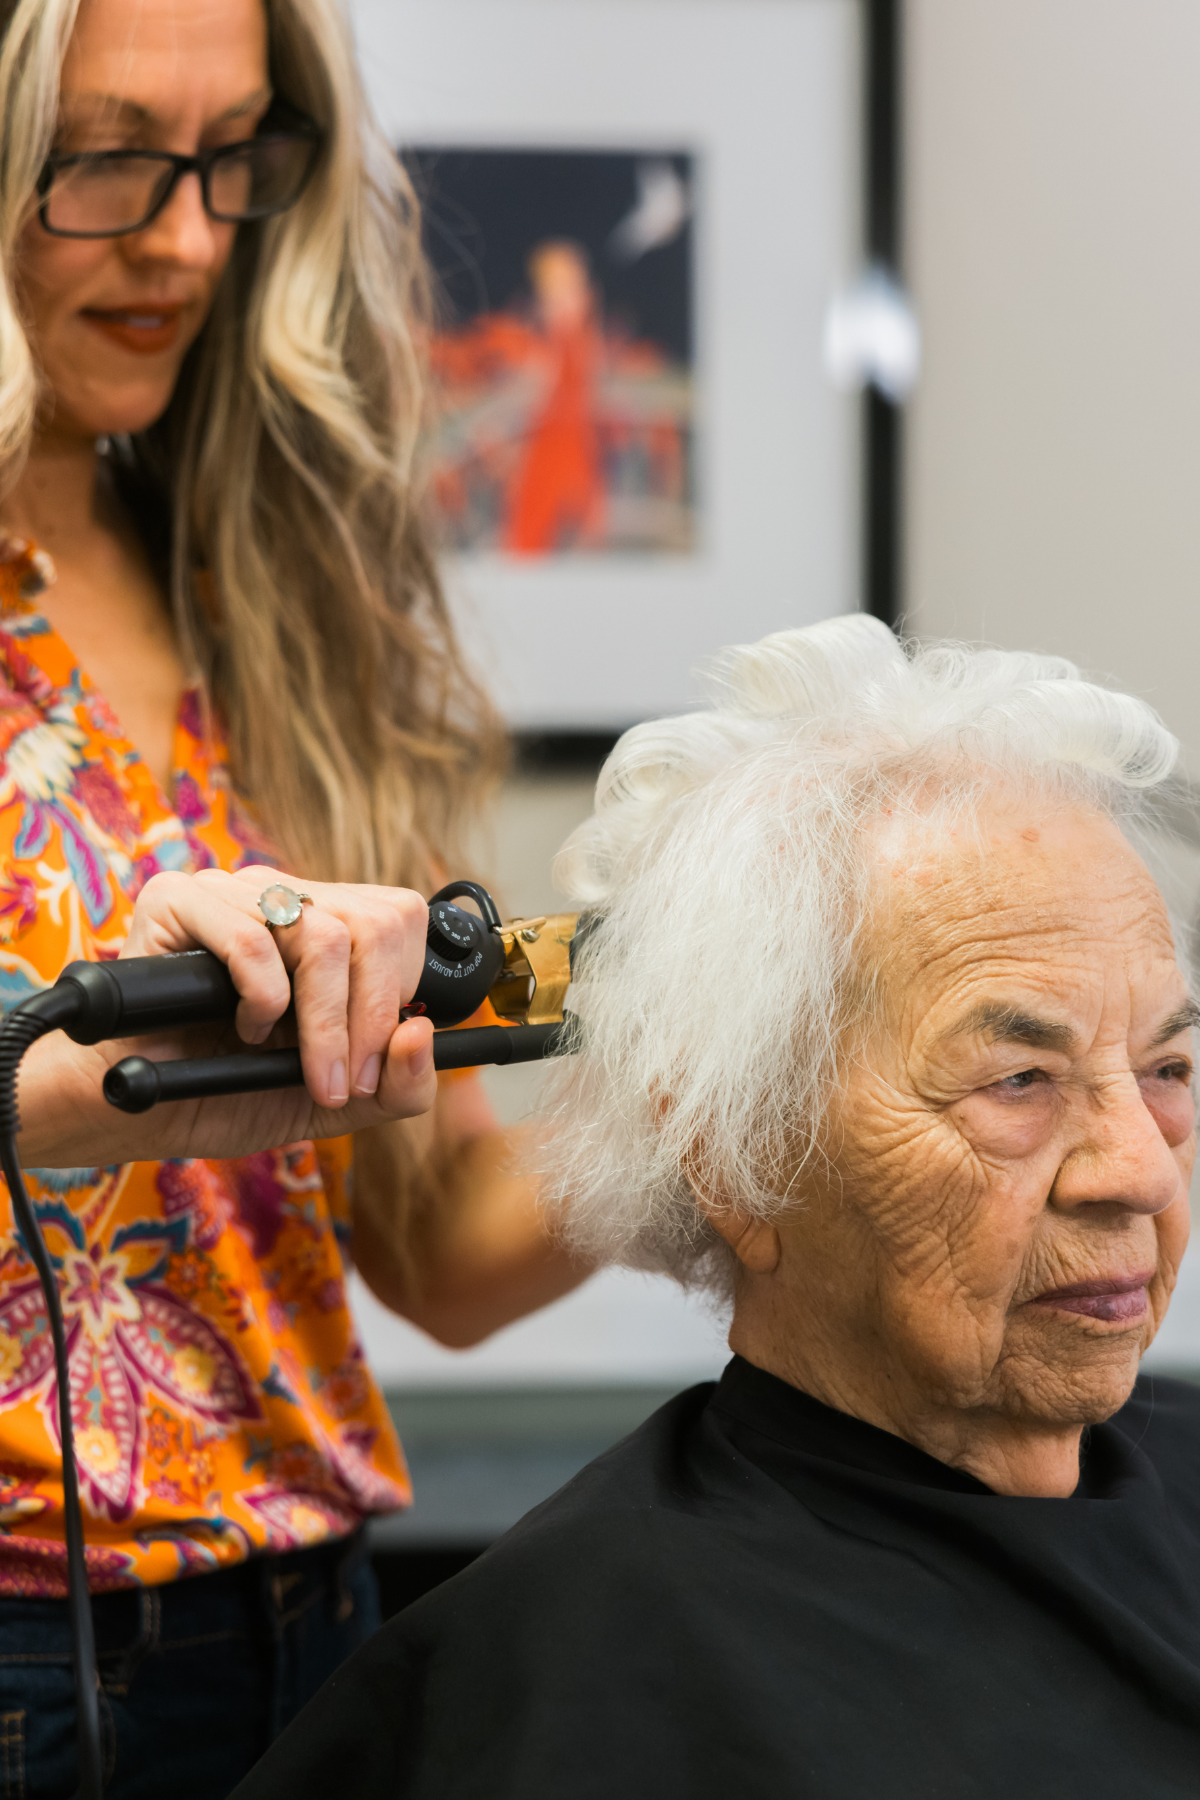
(447, 1227)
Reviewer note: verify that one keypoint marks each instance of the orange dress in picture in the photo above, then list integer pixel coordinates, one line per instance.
(220, 1399)
(554, 492)
(558, 487)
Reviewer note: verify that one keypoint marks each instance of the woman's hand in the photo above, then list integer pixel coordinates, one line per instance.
(351, 961)
(354, 957)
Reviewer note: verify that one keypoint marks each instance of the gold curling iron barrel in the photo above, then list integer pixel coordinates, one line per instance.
(523, 967)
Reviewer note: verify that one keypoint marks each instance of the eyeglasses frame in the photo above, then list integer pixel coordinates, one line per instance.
(293, 125)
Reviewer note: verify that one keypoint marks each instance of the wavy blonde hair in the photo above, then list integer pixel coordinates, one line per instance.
(283, 477)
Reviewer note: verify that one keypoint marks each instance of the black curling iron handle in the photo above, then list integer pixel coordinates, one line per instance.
(148, 993)
(137, 994)
(497, 1044)
(135, 1084)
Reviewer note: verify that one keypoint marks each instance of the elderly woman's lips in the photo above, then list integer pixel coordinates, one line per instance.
(1117, 1300)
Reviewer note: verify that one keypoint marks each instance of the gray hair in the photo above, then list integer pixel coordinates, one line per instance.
(728, 866)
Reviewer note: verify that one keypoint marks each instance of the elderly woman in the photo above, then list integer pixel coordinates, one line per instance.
(885, 1036)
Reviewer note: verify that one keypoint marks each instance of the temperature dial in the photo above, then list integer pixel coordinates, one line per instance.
(453, 934)
(463, 957)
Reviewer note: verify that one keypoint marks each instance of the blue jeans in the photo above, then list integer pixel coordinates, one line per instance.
(197, 1677)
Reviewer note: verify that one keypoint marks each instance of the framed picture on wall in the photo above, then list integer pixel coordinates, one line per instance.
(565, 350)
(638, 213)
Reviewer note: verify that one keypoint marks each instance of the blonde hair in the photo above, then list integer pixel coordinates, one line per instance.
(300, 573)
(728, 865)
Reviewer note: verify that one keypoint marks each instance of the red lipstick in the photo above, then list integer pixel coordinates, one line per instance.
(1120, 1301)
(146, 330)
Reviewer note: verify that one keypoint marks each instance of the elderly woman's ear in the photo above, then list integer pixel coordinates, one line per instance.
(755, 1242)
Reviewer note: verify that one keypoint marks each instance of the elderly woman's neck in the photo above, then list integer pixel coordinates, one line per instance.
(1034, 1458)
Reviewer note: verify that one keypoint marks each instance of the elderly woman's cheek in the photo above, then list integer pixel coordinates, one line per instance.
(1007, 1127)
(1172, 1106)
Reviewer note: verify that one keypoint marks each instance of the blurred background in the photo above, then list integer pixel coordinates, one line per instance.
(753, 312)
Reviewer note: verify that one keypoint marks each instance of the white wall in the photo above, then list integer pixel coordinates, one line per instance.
(1054, 250)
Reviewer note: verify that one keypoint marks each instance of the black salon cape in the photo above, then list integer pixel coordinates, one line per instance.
(756, 1596)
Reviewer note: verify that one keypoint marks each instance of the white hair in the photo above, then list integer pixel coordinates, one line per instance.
(728, 867)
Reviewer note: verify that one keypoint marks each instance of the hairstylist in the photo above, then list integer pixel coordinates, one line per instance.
(222, 646)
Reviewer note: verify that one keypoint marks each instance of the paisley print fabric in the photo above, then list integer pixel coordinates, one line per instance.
(219, 1396)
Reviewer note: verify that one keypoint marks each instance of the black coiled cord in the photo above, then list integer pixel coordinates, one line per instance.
(18, 1030)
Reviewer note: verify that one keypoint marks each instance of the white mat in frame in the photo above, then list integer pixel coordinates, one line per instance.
(764, 94)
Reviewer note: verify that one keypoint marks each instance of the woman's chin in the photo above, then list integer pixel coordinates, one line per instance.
(111, 408)
(1068, 1367)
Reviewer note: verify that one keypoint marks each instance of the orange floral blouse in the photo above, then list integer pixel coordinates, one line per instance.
(220, 1399)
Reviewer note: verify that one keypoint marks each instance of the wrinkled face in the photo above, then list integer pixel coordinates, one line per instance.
(111, 319)
(1014, 1140)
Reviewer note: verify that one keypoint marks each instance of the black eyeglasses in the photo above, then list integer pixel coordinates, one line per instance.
(107, 193)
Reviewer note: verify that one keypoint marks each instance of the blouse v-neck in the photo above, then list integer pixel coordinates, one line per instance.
(47, 644)
(199, 824)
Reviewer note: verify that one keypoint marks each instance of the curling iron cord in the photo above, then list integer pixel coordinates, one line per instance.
(19, 1029)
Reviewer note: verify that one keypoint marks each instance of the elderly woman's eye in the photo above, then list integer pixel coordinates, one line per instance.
(1019, 1083)
(1173, 1071)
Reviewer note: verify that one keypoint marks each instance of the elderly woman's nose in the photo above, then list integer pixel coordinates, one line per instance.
(1121, 1157)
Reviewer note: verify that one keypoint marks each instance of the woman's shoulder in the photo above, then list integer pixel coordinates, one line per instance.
(603, 1563)
(624, 1513)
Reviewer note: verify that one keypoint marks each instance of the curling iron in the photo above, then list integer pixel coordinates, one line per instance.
(524, 969)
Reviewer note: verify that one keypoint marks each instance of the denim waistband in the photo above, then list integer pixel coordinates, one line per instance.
(260, 1596)
(197, 1676)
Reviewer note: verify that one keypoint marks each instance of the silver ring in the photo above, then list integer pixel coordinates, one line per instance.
(280, 905)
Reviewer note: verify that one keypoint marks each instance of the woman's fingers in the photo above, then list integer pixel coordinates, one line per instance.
(211, 911)
(407, 1082)
(385, 966)
(385, 937)
(354, 958)
(407, 1086)
(321, 986)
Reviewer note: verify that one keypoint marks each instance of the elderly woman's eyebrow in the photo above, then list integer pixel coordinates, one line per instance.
(1008, 1024)
(1181, 1020)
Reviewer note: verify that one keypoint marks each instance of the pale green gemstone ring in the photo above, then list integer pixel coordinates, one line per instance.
(280, 905)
